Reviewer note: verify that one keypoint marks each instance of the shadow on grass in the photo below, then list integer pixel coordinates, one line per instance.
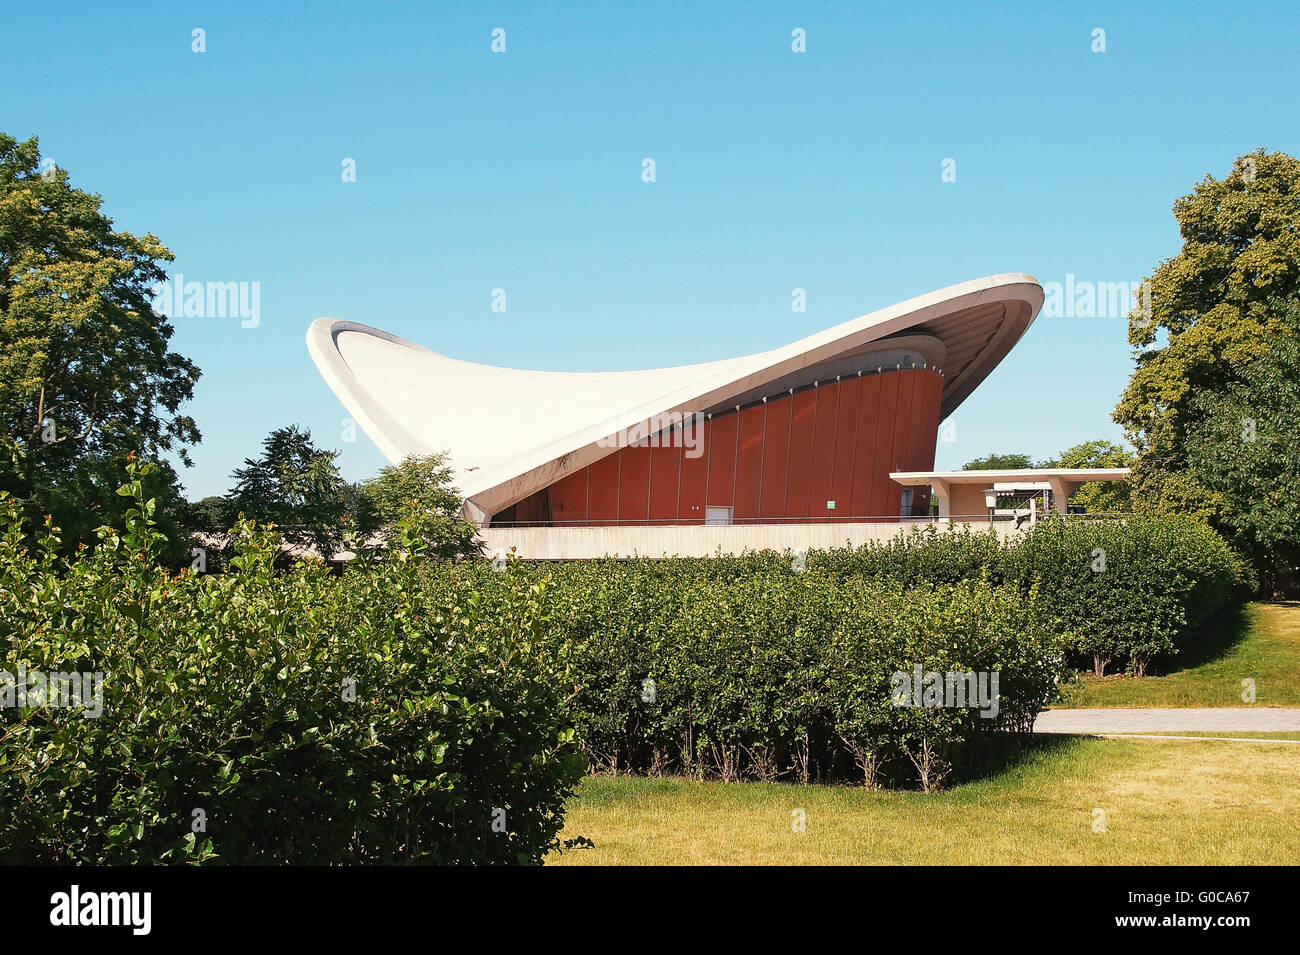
(995, 756)
(1215, 640)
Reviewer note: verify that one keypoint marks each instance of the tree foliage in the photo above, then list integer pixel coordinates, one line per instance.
(86, 374)
(1098, 497)
(1213, 310)
(1244, 449)
(420, 488)
(999, 462)
(1218, 309)
(295, 486)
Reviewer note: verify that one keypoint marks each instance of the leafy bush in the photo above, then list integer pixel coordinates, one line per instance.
(768, 666)
(691, 666)
(264, 717)
(1126, 590)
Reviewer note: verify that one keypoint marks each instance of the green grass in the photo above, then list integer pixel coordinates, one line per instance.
(1260, 642)
(1189, 803)
(1217, 734)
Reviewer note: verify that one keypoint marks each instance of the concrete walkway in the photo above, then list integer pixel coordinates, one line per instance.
(1242, 719)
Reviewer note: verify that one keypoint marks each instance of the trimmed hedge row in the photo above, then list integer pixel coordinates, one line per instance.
(1118, 592)
(691, 667)
(772, 665)
(1126, 592)
(275, 717)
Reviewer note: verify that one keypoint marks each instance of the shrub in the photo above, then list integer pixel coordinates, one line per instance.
(306, 718)
(1127, 590)
(686, 666)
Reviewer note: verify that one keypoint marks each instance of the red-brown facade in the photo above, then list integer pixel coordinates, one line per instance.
(779, 460)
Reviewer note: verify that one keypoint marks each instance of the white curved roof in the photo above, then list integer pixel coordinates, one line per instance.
(512, 432)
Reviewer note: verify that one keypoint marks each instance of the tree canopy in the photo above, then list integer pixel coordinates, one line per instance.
(86, 374)
(419, 491)
(296, 486)
(1243, 447)
(999, 462)
(1214, 308)
(1214, 350)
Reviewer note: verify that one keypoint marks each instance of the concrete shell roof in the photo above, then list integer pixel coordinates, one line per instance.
(513, 432)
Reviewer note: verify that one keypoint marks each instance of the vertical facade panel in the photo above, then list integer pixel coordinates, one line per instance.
(883, 447)
(802, 422)
(634, 483)
(722, 462)
(569, 497)
(903, 422)
(846, 434)
(917, 436)
(929, 401)
(776, 452)
(868, 417)
(602, 489)
(749, 462)
(695, 471)
(665, 479)
(823, 455)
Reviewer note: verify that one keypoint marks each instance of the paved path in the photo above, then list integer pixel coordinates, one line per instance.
(1242, 719)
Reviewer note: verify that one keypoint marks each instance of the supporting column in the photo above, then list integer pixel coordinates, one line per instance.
(1061, 491)
(941, 490)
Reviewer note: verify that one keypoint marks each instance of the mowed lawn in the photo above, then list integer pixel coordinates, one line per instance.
(1166, 802)
(1262, 643)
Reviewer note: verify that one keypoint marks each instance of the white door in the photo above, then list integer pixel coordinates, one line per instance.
(717, 515)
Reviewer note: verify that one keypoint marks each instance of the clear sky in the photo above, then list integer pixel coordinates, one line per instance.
(522, 170)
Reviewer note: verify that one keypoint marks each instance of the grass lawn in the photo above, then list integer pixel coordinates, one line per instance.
(1166, 802)
(1215, 734)
(1261, 642)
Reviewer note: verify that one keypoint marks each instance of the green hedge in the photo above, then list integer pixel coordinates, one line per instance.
(414, 711)
(1126, 591)
(1118, 591)
(762, 672)
(768, 665)
(307, 718)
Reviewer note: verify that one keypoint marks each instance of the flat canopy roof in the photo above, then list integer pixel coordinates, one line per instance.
(1017, 476)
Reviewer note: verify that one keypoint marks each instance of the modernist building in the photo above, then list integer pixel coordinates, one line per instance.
(808, 433)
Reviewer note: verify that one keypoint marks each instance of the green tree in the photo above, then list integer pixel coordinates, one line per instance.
(420, 491)
(1206, 314)
(209, 514)
(998, 462)
(1244, 448)
(1103, 497)
(86, 375)
(295, 486)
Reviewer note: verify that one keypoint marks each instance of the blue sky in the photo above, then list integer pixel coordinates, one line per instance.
(522, 170)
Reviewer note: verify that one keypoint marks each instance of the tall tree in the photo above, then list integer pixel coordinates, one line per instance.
(420, 489)
(1104, 497)
(1244, 448)
(86, 375)
(998, 462)
(297, 487)
(1208, 312)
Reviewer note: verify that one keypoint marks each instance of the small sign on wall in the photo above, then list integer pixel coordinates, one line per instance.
(830, 505)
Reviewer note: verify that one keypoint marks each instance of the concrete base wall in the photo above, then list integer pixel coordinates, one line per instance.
(573, 543)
